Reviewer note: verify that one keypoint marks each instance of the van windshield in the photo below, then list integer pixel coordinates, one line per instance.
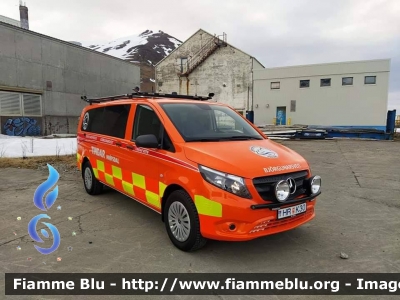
(204, 122)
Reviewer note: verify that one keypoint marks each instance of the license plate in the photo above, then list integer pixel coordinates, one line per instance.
(291, 211)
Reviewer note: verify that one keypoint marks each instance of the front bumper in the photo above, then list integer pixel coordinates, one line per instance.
(247, 222)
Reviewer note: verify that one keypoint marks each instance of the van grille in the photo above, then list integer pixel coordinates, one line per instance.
(265, 185)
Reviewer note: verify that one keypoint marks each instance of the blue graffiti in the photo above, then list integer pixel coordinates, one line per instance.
(49, 201)
(22, 126)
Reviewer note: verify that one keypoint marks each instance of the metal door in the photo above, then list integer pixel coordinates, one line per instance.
(281, 115)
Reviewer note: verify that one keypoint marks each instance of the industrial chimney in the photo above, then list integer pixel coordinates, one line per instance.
(23, 15)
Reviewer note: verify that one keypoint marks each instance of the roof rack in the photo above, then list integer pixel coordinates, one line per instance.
(174, 95)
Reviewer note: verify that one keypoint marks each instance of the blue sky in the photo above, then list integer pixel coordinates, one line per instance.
(276, 32)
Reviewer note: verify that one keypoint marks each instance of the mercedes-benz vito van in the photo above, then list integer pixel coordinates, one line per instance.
(208, 171)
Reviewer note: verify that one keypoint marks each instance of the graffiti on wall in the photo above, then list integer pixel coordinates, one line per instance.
(22, 126)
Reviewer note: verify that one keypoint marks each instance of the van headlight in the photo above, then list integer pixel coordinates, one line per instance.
(230, 183)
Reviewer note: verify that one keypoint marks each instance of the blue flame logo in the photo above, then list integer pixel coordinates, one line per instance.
(44, 206)
(45, 187)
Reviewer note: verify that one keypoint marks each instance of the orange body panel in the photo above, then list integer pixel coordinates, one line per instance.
(145, 174)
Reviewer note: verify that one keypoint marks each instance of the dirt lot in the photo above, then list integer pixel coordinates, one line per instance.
(358, 213)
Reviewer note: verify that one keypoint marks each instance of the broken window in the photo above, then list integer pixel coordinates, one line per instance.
(183, 64)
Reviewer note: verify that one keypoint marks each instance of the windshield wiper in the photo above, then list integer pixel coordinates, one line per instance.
(204, 140)
(226, 138)
(242, 137)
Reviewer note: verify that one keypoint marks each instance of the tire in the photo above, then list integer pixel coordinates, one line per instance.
(178, 205)
(92, 185)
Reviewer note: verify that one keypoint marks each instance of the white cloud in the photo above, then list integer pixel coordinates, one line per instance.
(284, 32)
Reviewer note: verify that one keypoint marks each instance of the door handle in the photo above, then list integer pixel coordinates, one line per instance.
(129, 147)
(118, 144)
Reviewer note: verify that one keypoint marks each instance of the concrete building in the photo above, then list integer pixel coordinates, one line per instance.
(332, 94)
(205, 64)
(10, 21)
(43, 78)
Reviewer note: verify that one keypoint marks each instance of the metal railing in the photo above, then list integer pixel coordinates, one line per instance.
(203, 53)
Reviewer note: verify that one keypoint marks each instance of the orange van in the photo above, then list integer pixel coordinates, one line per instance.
(209, 172)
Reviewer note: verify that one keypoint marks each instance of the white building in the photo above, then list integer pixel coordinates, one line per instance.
(205, 64)
(332, 94)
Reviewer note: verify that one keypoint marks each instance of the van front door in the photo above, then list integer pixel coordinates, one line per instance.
(143, 166)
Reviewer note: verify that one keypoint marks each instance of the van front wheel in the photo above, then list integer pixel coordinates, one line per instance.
(182, 222)
(92, 185)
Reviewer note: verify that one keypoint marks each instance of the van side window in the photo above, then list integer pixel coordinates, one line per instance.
(147, 122)
(115, 119)
(109, 120)
(93, 120)
(166, 142)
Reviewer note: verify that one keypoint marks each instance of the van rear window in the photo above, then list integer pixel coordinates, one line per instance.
(108, 120)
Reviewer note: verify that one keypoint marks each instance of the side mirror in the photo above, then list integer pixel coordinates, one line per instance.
(147, 141)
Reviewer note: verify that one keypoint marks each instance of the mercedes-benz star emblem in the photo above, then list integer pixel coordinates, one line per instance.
(292, 185)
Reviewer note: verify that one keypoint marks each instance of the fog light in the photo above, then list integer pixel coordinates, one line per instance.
(315, 184)
(282, 191)
(312, 185)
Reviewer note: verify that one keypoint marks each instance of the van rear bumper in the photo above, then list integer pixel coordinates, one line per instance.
(251, 224)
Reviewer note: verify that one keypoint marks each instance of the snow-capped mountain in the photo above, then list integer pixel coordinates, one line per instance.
(149, 47)
(146, 49)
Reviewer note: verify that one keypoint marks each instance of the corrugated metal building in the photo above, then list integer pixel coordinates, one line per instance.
(43, 78)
